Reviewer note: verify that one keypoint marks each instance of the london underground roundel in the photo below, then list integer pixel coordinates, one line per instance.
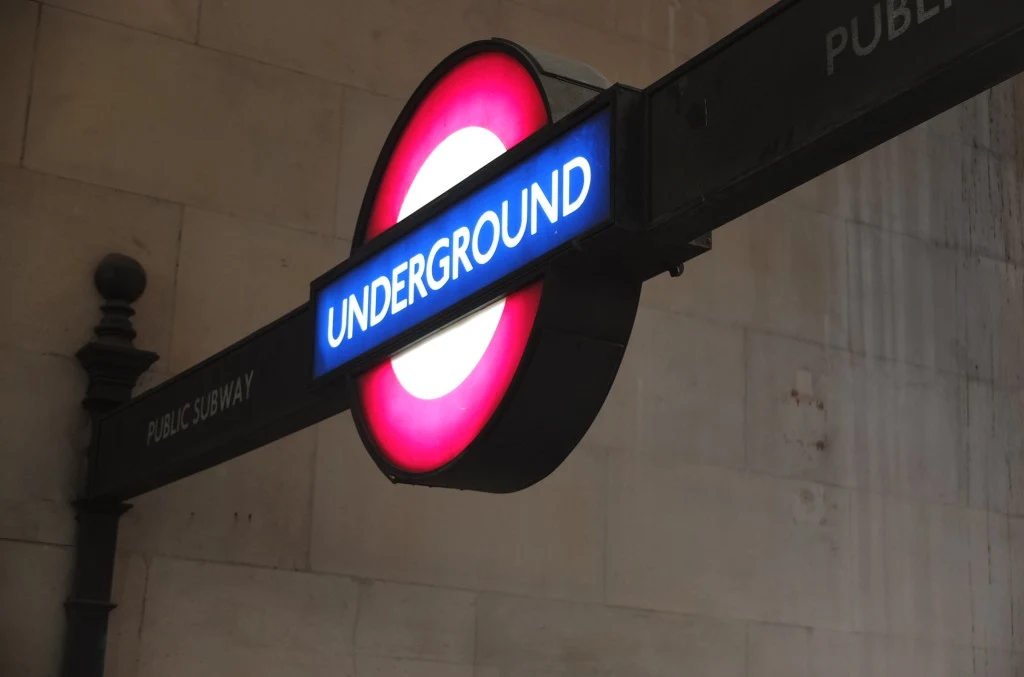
(426, 408)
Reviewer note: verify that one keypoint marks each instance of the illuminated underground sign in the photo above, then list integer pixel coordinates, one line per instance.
(559, 193)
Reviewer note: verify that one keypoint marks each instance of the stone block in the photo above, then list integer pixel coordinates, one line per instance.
(18, 21)
(996, 418)
(678, 393)
(986, 121)
(253, 509)
(373, 666)
(385, 47)
(915, 658)
(991, 590)
(55, 234)
(174, 18)
(904, 300)
(797, 409)
(131, 572)
(415, 622)
(866, 564)
(135, 111)
(997, 663)
(824, 415)
(44, 431)
(912, 184)
(779, 268)
(713, 541)
(618, 59)
(790, 651)
(209, 619)
(366, 120)
(679, 26)
(1017, 579)
(995, 219)
(519, 637)
(547, 540)
(993, 318)
(236, 276)
(905, 432)
(912, 569)
(34, 583)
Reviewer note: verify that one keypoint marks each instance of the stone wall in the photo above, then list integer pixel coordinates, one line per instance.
(811, 464)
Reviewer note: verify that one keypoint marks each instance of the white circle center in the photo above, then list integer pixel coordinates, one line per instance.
(437, 365)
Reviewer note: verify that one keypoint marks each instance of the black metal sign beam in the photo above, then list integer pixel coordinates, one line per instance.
(249, 395)
(807, 86)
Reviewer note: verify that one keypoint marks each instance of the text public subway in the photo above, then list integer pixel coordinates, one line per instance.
(469, 248)
(218, 400)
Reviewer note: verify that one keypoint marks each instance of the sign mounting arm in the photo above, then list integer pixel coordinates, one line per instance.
(806, 87)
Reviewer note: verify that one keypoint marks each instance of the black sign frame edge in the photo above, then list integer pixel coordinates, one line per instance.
(605, 101)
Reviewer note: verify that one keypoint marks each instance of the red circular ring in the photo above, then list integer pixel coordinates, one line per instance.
(492, 90)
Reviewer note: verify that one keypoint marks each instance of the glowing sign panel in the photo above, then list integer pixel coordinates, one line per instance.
(560, 192)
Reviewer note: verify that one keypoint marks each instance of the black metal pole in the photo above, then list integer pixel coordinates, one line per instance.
(114, 365)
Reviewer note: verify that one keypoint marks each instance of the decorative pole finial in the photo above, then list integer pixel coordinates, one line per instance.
(113, 362)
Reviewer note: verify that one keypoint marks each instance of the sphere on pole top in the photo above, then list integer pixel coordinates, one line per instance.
(120, 278)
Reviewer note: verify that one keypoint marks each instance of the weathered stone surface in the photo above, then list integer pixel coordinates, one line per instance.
(43, 431)
(1017, 580)
(386, 47)
(991, 589)
(912, 569)
(174, 18)
(366, 119)
(779, 268)
(373, 666)
(915, 658)
(996, 418)
(18, 20)
(913, 184)
(712, 541)
(236, 276)
(252, 510)
(993, 319)
(34, 582)
(618, 59)
(416, 623)
(825, 415)
(209, 619)
(678, 393)
(183, 123)
(997, 663)
(679, 26)
(986, 121)
(798, 409)
(993, 194)
(55, 233)
(545, 541)
(517, 637)
(904, 300)
(790, 651)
